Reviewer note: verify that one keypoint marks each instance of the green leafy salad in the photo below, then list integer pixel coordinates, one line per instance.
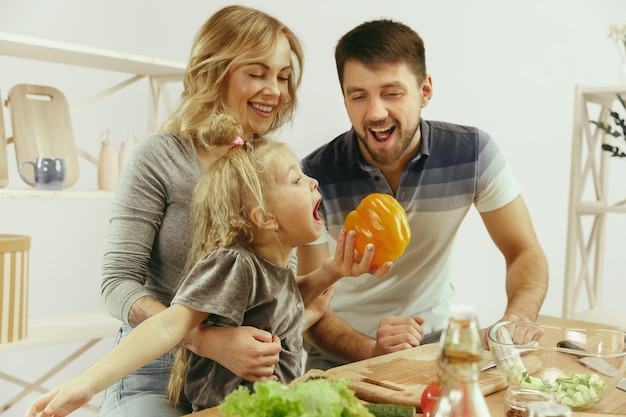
(313, 398)
(578, 391)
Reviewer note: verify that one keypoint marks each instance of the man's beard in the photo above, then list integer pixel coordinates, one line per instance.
(389, 156)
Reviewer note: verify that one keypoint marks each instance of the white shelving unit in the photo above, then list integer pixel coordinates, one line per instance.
(86, 328)
(19, 193)
(589, 205)
(160, 73)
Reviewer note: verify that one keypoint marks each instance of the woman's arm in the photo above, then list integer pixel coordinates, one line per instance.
(248, 352)
(144, 243)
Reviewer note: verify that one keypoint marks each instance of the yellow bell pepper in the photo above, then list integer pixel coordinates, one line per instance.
(381, 220)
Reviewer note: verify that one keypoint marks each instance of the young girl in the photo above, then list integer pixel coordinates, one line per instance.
(250, 209)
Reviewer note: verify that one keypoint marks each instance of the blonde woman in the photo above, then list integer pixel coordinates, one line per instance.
(248, 64)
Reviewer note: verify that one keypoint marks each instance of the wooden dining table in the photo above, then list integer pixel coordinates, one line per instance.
(495, 400)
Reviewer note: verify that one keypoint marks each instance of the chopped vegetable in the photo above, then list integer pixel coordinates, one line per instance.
(381, 220)
(578, 391)
(430, 394)
(551, 374)
(313, 398)
(429, 409)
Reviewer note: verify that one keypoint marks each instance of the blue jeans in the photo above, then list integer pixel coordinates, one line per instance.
(142, 393)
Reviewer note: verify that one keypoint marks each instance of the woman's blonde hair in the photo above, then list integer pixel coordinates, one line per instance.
(232, 37)
(225, 195)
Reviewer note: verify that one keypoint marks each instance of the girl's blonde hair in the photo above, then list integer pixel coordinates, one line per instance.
(224, 197)
(232, 37)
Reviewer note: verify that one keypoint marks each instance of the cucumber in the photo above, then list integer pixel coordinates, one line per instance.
(390, 410)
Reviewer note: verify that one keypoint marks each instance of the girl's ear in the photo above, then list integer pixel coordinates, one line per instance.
(262, 219)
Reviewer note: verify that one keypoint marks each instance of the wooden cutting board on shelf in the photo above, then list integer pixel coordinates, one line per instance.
(401, 377)
(42, 127)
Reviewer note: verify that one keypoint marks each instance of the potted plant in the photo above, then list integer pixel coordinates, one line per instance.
(616, 130)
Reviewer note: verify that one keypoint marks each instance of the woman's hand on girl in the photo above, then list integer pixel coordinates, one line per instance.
(248, 352)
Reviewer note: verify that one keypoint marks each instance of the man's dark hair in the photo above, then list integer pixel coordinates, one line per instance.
(381, 42)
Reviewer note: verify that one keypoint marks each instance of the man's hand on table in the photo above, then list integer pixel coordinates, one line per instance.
(526, 331)
(398, 333)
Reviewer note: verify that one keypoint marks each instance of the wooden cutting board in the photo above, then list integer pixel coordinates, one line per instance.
(401, 377)
(42, 127)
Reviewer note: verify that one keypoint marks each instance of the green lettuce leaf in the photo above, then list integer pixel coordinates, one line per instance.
(314, 398)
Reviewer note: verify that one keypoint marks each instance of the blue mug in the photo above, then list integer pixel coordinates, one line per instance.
(49, 173)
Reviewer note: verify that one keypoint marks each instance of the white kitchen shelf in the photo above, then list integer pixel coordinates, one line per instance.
(19, 193)
(589, 199)
(159, 71)
(87, 329)
(65, 53)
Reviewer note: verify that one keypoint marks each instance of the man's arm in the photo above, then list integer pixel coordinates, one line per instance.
(339, 340)
(330, 334)
(511, 230)
(336, 338)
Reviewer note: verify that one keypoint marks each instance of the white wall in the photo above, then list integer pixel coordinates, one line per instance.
(508, 67)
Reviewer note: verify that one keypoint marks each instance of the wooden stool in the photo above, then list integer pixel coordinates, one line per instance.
(18, 333)
(14, 256)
